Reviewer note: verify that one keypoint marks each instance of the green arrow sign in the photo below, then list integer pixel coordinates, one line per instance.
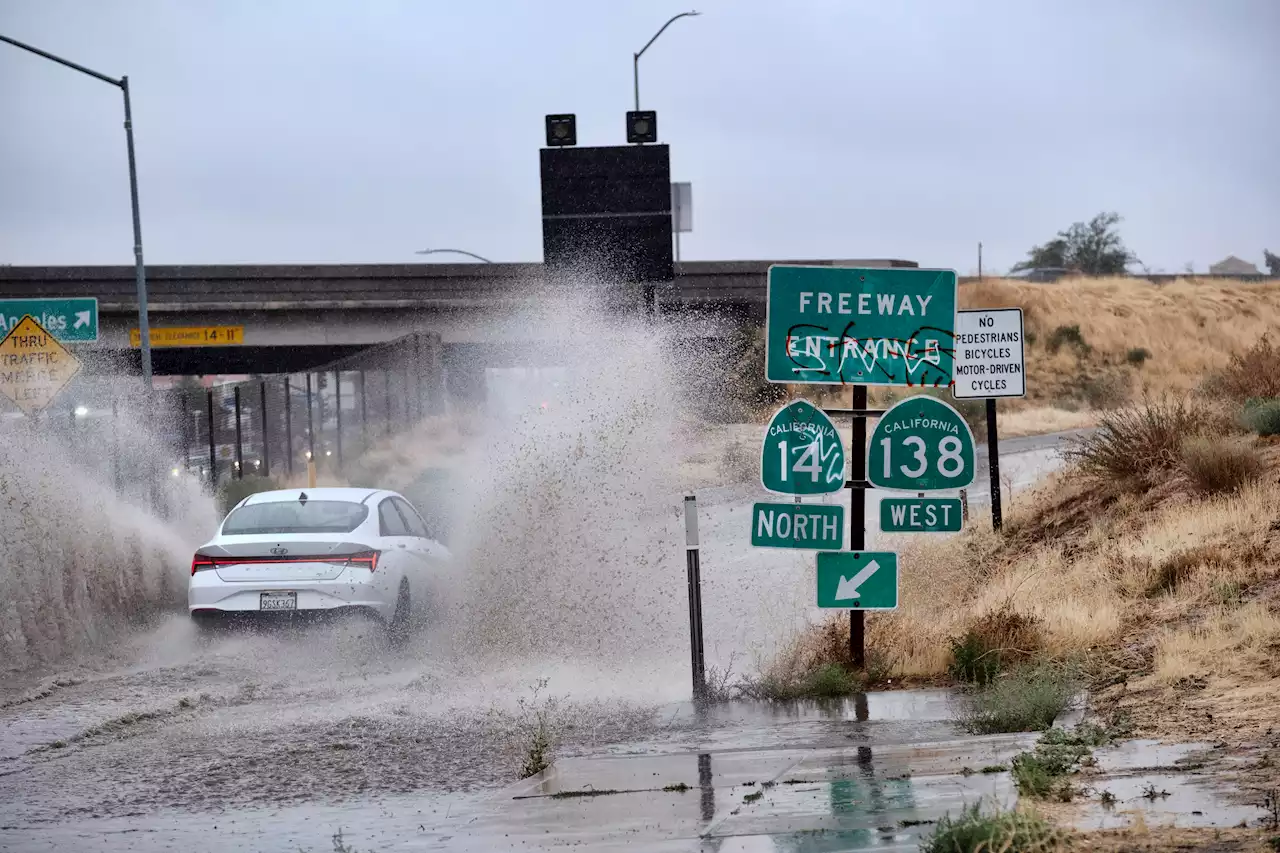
(921, 445)
(920, 515)
(802, 453)
(860, 326)
(68, 320)
(819, 527)
(858, 580)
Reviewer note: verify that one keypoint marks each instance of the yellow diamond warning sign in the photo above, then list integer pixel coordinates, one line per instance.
(34, 366)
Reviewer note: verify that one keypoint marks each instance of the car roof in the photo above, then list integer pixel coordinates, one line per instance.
(323, 493)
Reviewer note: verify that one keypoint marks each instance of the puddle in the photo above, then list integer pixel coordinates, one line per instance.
(1151, 779)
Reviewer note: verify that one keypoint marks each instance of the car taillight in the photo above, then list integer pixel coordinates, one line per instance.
(364, 558)
(200, 561)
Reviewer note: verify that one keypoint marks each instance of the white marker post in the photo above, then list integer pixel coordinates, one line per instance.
(696, 652)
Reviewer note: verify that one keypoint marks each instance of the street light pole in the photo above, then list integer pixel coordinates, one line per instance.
(140, 273)
(635, 64)
(455, 251)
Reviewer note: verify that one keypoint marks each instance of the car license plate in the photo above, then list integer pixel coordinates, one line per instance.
(278, 601)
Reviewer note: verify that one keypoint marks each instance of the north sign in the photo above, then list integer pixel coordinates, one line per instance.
(802, 452)
(819, 527)
(921, 444)
(858, 580)
(860, 325)
(73, 320)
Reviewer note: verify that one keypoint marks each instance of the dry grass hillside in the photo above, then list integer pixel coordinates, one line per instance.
(1097, 343)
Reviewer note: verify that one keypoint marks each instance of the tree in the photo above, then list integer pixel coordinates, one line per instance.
(1272, 261)
(1091, 248)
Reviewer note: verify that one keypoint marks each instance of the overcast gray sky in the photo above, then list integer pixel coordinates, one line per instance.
(324, 131)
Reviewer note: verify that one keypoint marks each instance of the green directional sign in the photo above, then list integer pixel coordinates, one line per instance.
(858, 580)
(802, 452)
(816, 526)
(920, 515)
(921, 444)
(72, 320)
(860, 326)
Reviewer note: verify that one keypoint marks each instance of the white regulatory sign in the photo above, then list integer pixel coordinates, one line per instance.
(989, 354)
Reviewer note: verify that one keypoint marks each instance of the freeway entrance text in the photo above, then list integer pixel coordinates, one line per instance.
(860, 326)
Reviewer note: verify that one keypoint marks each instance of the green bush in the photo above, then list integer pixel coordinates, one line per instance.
(1262, 416)
(1010, 831)
(1067, 336)
(1137, 356)
(1042, 772)
(1027, 699)
(972, 661)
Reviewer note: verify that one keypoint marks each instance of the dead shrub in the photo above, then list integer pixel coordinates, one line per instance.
(997, 640)
(1137, 446)
(1215, 466)
(1251, 374)
(1177, 568)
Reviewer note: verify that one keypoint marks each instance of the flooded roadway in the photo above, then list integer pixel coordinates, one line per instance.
(279, 741)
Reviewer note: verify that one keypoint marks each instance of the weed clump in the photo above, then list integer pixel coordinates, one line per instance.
(1252, 374)
(1134, 447)
(1001, 637)
(1027, 699)
(1219, 466)
(825, 681)
(1042, 772)
(999, 830)
(1177, 568)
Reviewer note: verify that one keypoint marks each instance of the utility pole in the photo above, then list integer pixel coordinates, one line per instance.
(140, 274)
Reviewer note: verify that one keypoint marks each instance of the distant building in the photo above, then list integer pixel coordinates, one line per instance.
(1231, 265)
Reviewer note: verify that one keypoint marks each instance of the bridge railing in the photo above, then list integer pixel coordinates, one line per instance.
(273, 425)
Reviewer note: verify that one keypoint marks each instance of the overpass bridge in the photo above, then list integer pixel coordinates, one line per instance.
(297, 317)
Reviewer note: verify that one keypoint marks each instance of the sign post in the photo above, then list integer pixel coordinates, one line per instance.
(34, 366)
(859, 326)
(990, 362)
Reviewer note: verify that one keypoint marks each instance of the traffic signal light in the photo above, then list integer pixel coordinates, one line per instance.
(642, 126)
(562, 129)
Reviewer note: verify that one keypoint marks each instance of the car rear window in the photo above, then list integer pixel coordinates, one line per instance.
(295, 517)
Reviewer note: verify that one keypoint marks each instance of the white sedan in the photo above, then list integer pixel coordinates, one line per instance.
(315, 552)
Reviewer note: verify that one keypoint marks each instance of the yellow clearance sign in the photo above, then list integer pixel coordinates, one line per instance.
(34, 366)
(191, 336)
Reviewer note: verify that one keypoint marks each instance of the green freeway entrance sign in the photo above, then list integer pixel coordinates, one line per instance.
(860, 326)
(802, 452)
(72, 320)
(816, 526)
(853, 580)
(920, 515)
(921, 444)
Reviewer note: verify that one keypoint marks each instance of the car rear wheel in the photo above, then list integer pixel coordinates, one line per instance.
(398, 628)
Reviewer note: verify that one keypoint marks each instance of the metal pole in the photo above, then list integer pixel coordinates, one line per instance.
(239, 472)
(288, 428)
(311, 430)
(858, 517)
(993, 463)
(337, 404)
(386, 375)
(694, 570)
(144, 326)
(139, 269)
(635, 76)
(266, 443)
(213, 449)
(979, 259)
(635, 57)
(364, 416)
